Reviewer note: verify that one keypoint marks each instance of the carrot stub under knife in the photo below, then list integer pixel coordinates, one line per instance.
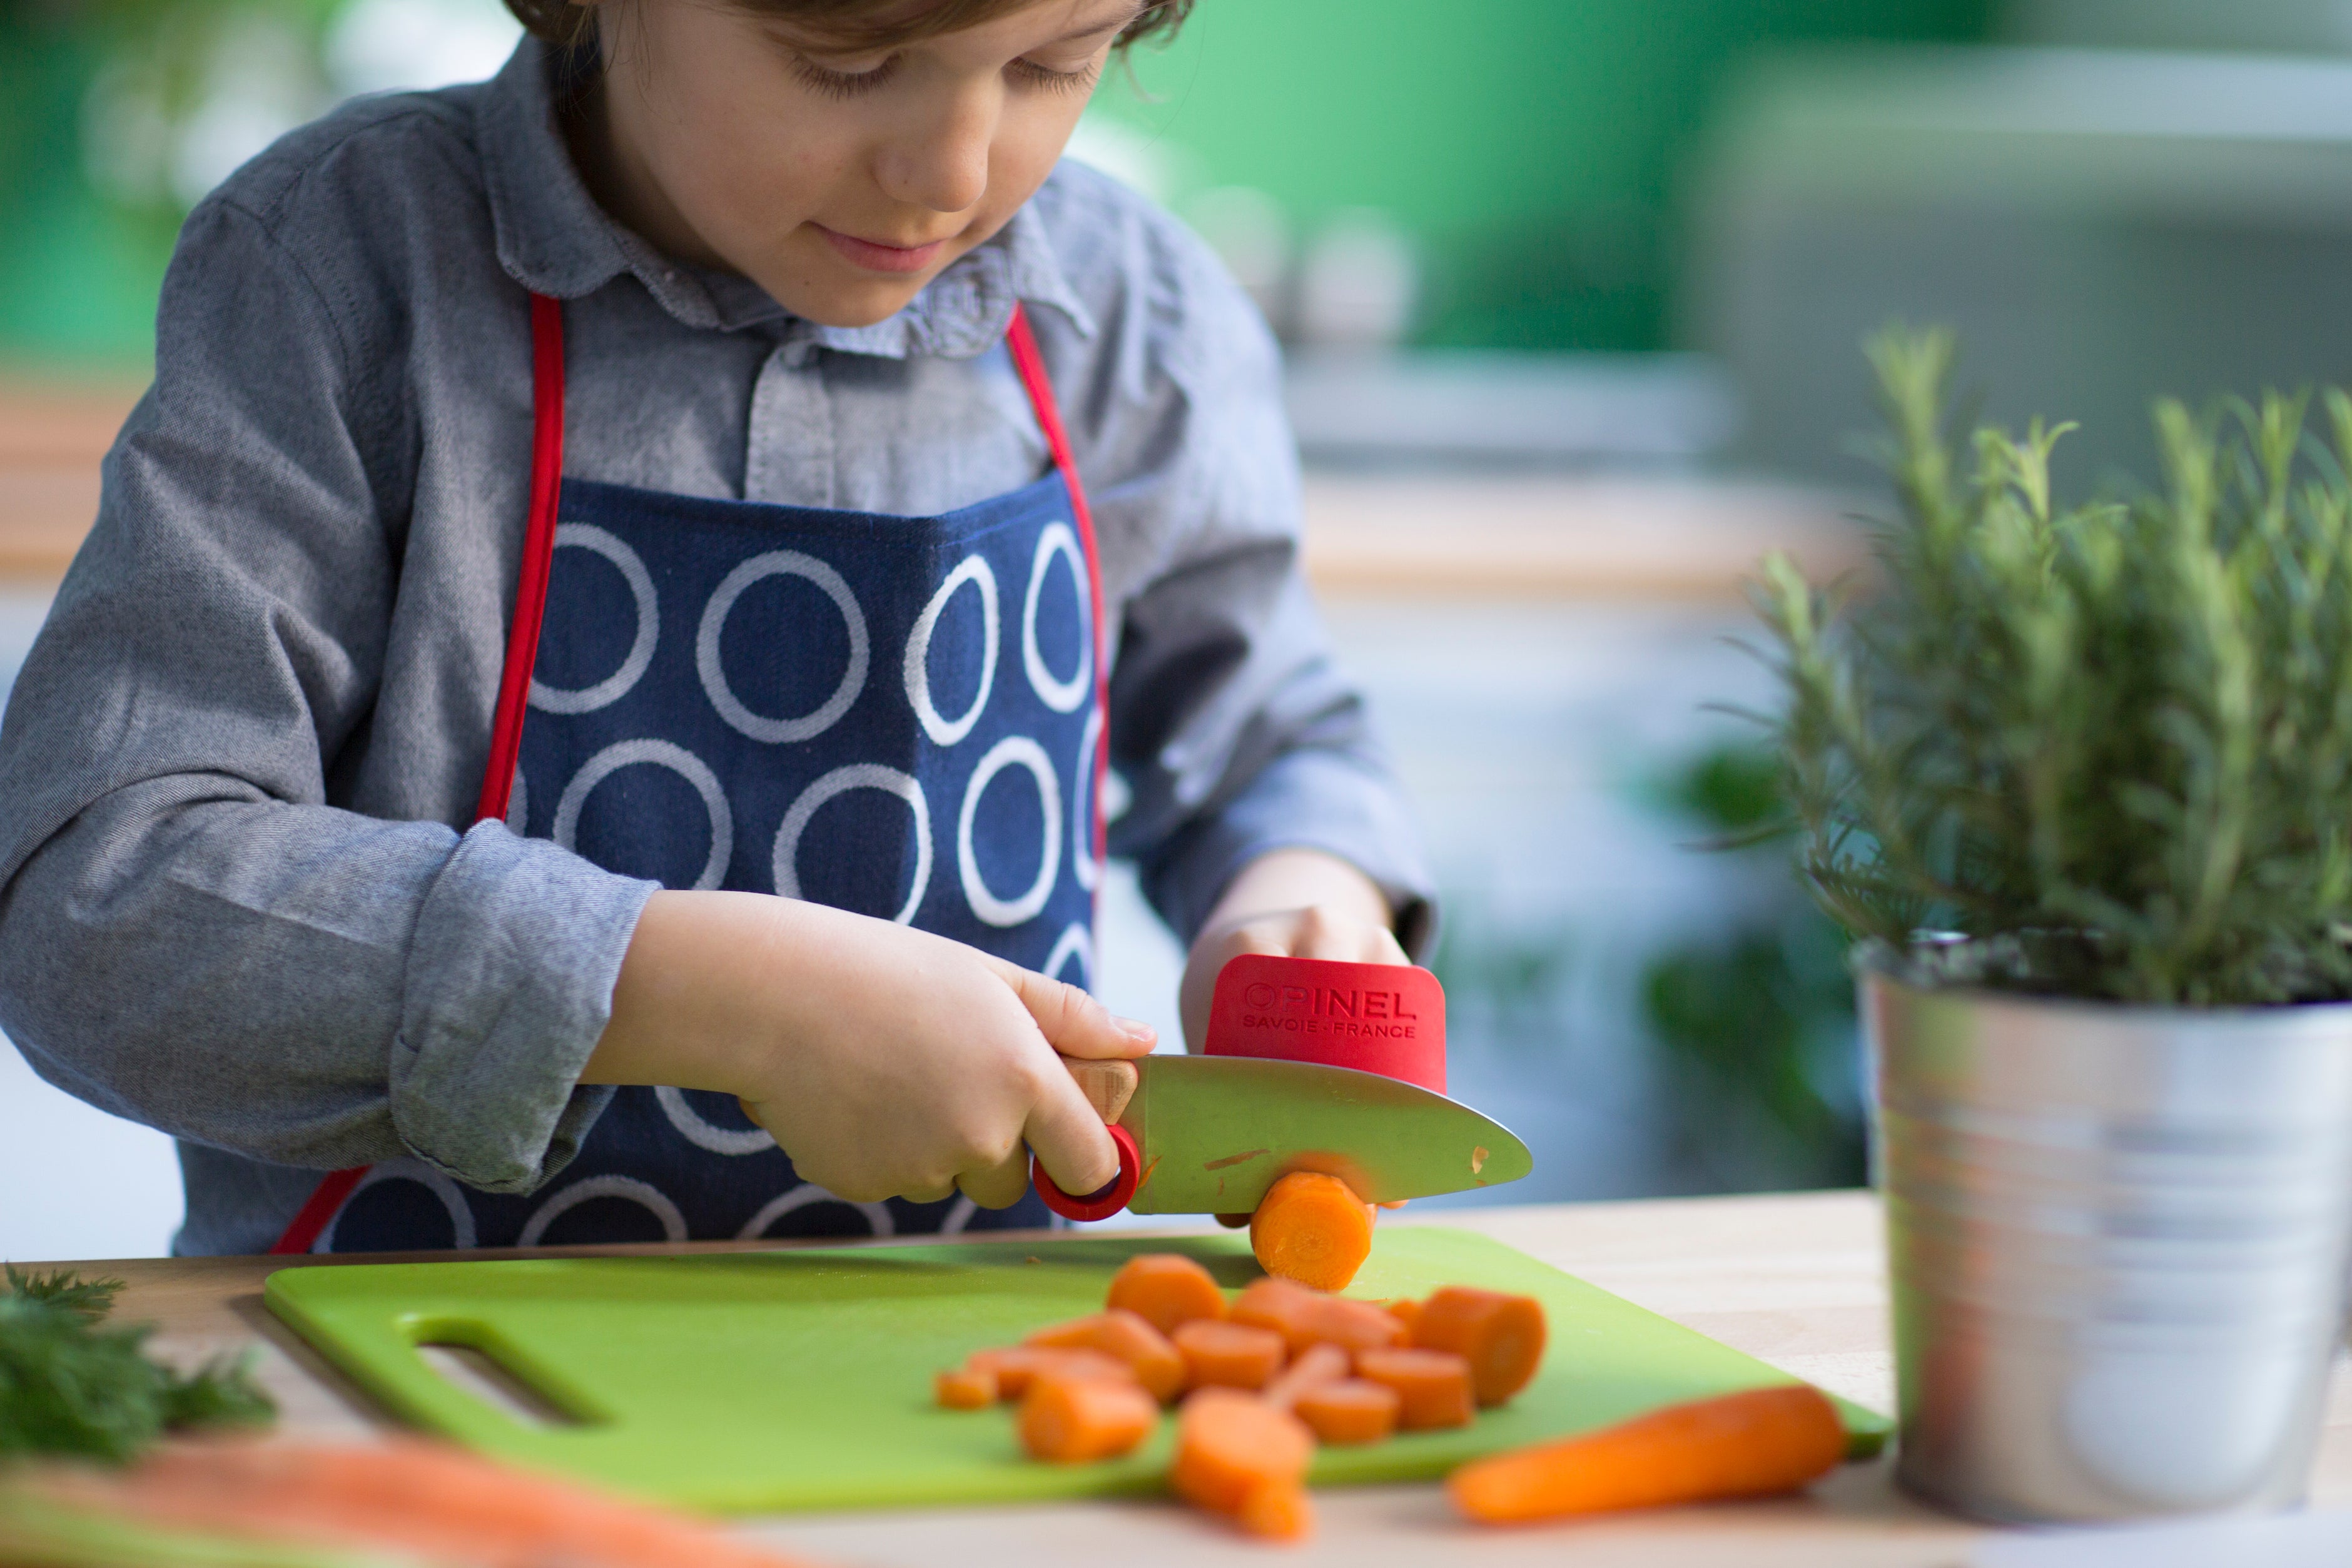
(1234, 1451)
(1072, 1419)
(1166, 1290)
(1432, 1386)
(1502, 1337)
(1351, 1411)
(1228, 1355)
(1752, 1444)
(1124, 1337)
(1313, 1228)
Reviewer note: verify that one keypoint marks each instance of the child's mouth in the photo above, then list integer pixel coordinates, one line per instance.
(874, 256)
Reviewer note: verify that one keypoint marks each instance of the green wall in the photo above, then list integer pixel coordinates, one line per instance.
(1529, 146)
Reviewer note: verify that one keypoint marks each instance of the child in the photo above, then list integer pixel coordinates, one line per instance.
(573, 511)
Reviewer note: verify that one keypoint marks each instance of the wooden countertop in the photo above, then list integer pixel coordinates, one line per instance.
(1796, 1281)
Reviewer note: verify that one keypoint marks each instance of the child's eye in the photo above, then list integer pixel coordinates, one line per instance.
(1046, 77)
(842, 84)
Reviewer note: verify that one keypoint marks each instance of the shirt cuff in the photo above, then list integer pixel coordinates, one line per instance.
(1311, 800)
(508, 988)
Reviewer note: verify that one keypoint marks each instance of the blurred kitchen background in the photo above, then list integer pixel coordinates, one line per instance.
(1572, 291)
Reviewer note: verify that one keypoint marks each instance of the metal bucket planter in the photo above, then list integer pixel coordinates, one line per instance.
(2118, 1238)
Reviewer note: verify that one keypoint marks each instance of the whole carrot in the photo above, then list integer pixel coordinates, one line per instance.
(1752, 1444)
(427, 1498)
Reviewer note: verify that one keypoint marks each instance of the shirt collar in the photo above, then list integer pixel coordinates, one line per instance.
(554, 238)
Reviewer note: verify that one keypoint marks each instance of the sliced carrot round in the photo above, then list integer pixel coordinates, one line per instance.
(1125, 1337)
(966, 1388)
(1166, 1289)
(1351, 1410)
(1502, 1337)
(1277, 1512)
(1432, 1386)
(1228, 1442)
(1313, 1228)
(1228, 1355)
(1069, 1420)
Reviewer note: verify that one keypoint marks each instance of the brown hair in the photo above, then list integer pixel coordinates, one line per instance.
(857, 24)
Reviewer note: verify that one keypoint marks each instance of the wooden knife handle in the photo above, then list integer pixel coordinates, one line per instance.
(1107, 1085)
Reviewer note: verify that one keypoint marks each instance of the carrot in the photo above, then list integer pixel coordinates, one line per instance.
(1072, 1419)
(1280, 1305)
(966, 1388)
(1351, 1410)
(1502, 1337)
(1406, 1310)
(408, 1494)
(1122, 1336)
(1304, 1317)
(1014, 1366)
(1313, 1228)
(1433, 1385)
(1277, 1512)
(1228, 1355)
(1165, 1289)
(1317, 1365)
(1230, 1444)
(1752, 1444)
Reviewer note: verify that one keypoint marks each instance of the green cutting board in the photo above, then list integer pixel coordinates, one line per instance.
(802, 1378)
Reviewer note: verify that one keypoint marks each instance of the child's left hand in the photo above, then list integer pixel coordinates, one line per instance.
(1293, 903)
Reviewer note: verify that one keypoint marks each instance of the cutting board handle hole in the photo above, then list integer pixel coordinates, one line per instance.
(472, 1370)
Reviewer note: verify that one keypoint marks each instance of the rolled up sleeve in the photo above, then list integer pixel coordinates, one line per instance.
(191, 934)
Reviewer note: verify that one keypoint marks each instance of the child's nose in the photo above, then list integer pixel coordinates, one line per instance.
(943, 164)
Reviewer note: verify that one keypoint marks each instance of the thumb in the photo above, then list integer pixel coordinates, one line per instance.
(1067, 1136)
(1073, 1022)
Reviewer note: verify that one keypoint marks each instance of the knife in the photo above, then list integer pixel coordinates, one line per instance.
(1208, 1134)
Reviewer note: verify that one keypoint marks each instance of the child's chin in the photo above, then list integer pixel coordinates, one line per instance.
(849, 302)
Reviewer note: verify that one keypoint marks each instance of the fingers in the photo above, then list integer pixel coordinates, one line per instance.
(1069, 1138)
(1318, 934)
(1000, 1185)
(1073, 1022)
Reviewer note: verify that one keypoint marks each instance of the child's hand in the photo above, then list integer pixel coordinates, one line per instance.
(1294, 904)
(887, 1062)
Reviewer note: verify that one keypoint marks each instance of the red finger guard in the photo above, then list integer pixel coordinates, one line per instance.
(1099, 1205)
(1375, 1018)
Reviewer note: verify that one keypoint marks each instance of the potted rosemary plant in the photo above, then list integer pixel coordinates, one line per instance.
(2079, 778)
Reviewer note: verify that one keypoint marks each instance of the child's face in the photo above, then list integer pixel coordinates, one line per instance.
(840, 183)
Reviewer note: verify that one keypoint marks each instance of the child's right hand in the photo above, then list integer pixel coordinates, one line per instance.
(886, 1060)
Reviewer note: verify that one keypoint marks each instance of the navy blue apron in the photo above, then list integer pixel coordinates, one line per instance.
(902, 716)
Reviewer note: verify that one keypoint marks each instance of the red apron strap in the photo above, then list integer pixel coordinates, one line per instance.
(1026, 360)
(310, 1221)
(538, 554)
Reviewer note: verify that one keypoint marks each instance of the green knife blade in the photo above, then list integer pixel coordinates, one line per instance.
(1216, 1131)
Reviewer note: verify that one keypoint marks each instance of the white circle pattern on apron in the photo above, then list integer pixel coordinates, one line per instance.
(416, 1172)
(616, 685)
(699, 1131)
(1061, 697)
(877, 1214)
(975, 570)
(1083, 806)
(657, 754)
(781, 563)
(857, 776)
(1013, 750)
(644, 1195)
(1077, 943)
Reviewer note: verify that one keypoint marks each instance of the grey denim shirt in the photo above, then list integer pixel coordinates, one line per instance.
(241, 897)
